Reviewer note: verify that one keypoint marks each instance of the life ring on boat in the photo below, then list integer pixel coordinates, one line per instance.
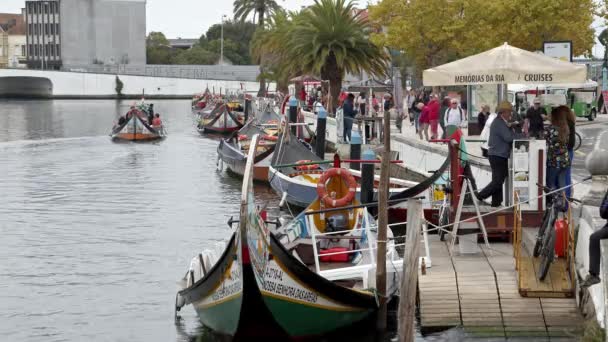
(270, 137)
(322, 190)
(306, 167)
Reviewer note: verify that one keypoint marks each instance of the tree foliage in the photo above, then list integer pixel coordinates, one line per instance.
(432, 32)
(237, 39)
(329, 38)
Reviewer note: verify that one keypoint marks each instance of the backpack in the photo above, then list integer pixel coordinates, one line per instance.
(445, 115)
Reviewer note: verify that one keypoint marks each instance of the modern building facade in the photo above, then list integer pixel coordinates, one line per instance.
(70, 34)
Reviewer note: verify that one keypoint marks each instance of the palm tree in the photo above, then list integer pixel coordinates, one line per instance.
(261, 8)
(329, 38)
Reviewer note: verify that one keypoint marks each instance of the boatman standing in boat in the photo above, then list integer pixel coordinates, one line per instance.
(500, 142)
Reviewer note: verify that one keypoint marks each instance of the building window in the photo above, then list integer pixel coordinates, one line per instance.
(29, 29)
(29, 51)
(58, 50)
(36, 50)
(22, 50)
(48, 28)
(46, 8)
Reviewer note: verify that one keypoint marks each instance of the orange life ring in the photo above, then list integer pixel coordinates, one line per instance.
(322, 190)
(270, 137)
(306, 167)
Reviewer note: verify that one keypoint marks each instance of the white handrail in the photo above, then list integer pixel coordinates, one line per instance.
(341, 231)
(314, 244)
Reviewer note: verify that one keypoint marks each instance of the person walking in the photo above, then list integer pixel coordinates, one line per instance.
(482, 117)
(409, 103)
(454, 116)
(534, 121)
(416, 110)
(571, 118)
(594, 247)
(423, 121)
(445, 105)
(485, 134)
(348, 110)
(362, 103)
(434, 115)
(557, 135)
(500, 141)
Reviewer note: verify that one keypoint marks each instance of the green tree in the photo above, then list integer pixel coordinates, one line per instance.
(158, 50)
(329, 38)
(237, 39)
(196, 55)
(432, 32)
(261, 8)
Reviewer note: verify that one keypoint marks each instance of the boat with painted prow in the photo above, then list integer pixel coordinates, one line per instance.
(220, 283)
(314, 272)
(222, 120)
(135, 127)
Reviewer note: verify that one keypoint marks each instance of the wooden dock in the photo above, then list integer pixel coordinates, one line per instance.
(480, 293)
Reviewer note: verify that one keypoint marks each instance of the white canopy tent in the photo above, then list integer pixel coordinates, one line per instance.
(505, 65)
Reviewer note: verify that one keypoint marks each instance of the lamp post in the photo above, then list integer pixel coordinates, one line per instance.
(222, 41)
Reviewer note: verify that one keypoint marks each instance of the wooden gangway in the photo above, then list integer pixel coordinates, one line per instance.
(480, 293)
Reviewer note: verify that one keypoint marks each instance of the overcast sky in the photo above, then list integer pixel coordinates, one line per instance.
(191, 18)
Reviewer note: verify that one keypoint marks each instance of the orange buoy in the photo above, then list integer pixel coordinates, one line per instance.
(347, 177)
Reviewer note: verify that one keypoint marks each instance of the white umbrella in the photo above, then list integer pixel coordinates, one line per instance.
(505, 65)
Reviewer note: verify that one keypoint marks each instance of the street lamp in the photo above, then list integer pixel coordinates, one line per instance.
(222, 41)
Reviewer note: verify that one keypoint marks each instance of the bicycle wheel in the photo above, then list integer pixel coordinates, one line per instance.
(538, 244)
(546, 258)
(444, 220)
(578, 141)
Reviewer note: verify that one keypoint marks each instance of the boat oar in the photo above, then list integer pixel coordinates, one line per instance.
(368, 205)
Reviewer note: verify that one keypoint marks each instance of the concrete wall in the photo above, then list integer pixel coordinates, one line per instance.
(83, 85)
(109, 31)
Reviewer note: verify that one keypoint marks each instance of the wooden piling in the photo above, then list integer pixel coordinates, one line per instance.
(383, 225)
(409, 282)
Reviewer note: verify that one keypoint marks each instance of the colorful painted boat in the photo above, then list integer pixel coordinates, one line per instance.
(308, 297)
(220, 283)
(232, 152)
(299, 183)
(222, 120)
(136, 128)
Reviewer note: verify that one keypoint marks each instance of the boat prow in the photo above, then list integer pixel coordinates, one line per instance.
(138, 130)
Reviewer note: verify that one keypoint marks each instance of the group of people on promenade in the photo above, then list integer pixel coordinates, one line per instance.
(426, 111)
(362, 107)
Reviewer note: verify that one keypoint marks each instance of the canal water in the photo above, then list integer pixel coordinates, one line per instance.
(95, 234)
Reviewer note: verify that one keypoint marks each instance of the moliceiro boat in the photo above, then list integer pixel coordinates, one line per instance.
(136, 128)
(220, 283)
(232, 152)
(222, 120)
(295, 170)
(316, 274)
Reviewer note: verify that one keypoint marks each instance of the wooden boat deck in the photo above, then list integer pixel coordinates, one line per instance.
(480, 293)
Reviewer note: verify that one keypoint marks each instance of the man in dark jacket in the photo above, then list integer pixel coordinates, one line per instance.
(594, 247)
(348, 110)
(535, 116)
(499, 151)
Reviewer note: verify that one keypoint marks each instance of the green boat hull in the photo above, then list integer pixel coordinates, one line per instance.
(302, 320)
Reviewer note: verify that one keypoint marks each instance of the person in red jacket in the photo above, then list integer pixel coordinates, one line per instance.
(433, 115)
(423, 121)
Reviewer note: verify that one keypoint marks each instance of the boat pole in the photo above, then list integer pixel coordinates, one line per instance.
(383, 225)
(320, 135)
(293, 113)
(367, 178)
(355, 150)
(409, 275)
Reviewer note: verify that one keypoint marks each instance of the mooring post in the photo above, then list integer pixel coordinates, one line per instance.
(383, 226)
(355, 150)
(367, 177)
(293, 113)
(409, 275)
(320, 135)
(247, 108)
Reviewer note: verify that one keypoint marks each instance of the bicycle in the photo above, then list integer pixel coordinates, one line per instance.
(578, 141)
(544, 246)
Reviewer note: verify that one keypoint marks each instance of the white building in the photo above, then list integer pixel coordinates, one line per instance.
(78, 33)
